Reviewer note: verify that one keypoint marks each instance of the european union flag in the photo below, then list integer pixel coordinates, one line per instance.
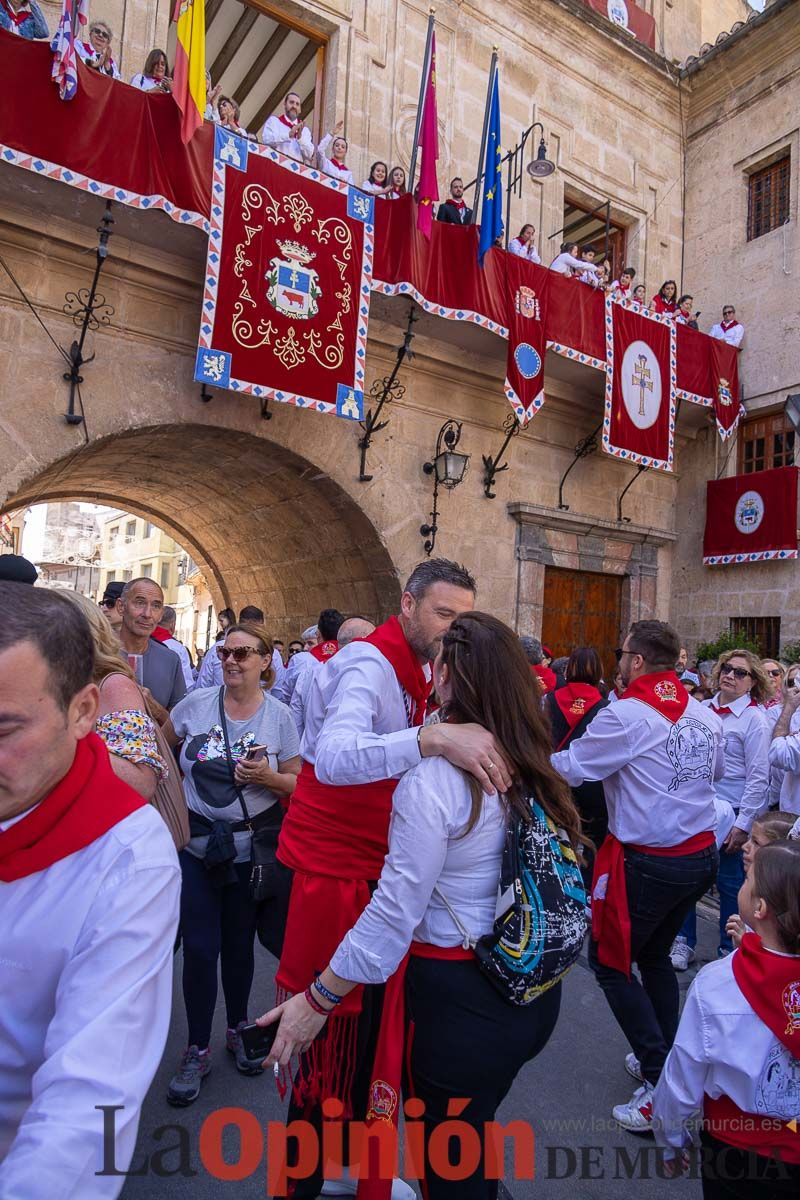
(492, 208)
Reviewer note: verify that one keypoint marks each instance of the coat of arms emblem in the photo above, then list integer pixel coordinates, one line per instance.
(791, 1004)
(382, 1101)
(724, 393)
(526, 303)
(292, 287)
(666, 691)
(749, 512)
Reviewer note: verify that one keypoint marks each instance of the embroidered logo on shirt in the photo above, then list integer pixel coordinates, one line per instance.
(791, 1002)
(382, 1101)
(578, 706)
(666, 692)
(690, 749)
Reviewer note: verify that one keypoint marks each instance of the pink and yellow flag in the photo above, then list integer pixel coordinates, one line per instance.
(428, 189)
(189, 75)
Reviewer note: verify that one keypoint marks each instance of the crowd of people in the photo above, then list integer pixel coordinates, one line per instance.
(380, 811)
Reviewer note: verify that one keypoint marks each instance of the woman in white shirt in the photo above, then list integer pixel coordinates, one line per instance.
(522, 245)
(154, 77)
(335, 165)
(740, 685)
(378, 182)
(446, 844)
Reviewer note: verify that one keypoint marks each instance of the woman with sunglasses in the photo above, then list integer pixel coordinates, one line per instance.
(239, 750)
(97, 51)
(740, 686)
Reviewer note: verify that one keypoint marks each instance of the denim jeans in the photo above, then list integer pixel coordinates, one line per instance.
(729, 880)
(661, 890)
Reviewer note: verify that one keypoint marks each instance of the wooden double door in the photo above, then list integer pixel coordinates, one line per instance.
(582, 608)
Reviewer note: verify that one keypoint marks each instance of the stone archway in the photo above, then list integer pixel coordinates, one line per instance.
(266, 526)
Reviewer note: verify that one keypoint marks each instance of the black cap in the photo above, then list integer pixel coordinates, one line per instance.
(17, 569)
(113, 592)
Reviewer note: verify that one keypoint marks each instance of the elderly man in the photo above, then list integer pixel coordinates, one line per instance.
(545, 677)
(89, 890)
(729, 329)
(288, 134)
(167, 623)
(141, 606)
(346, 632)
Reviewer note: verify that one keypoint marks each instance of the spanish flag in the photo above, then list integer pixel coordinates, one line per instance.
(189, 75)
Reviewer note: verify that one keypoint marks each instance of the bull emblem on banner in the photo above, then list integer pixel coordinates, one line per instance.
(292, 287)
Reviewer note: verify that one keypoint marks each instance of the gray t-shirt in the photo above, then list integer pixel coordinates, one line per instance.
(163, 674)
(207, 781)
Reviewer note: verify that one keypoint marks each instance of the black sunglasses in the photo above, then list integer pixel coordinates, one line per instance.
(618, 653)
(739, 672)
(238, 653)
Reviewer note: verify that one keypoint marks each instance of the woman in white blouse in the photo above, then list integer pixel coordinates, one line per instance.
(523, 246)
(335, 165)
(446, 842)
(378, 182)
(155, 76)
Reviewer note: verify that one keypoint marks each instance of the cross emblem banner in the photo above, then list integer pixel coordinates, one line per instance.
(639, 419)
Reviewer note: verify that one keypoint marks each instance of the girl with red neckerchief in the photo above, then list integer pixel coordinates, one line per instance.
(736, 1056)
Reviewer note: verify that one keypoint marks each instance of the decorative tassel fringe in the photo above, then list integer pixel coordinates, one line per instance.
(327, 1068)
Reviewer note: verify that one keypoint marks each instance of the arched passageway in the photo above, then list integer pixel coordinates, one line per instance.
(265, 526)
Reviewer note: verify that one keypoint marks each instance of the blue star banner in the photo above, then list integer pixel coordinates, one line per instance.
(492, 207)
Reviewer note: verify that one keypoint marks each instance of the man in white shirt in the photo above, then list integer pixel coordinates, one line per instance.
(657, 752)
(784, 751)
(89, 892)
(168, 620)
(729, 329)
(363, 730)
(288, 133)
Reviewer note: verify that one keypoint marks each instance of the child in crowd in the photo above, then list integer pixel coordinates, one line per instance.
(771, 827)
(735, 1056)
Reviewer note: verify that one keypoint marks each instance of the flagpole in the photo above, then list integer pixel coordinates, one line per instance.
(422, 86)
(479, 173)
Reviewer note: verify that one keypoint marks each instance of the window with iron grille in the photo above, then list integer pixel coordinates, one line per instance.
(766, 442)
(768, 198)
(764, 631)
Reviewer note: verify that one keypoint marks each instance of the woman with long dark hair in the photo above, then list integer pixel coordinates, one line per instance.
(571, 710)
(666, 298)
(438, 891)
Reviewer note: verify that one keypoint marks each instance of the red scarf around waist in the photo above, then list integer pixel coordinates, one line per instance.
(84, 805)
(611, 922)
(383, 1098)
(324, 650)
(728, 1123)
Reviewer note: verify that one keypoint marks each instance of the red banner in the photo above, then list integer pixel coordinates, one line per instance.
(526, 321)
(628, 16)
(286, 300)
(751, 518)
(725, 387)
(639, 421)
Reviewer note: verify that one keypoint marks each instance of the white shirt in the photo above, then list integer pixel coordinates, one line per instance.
(210, 673)
(358, 719)
(722, 1049)
(374, 189)
(529, 251)
(275, 134)
(746, 740)
(732, 333)
(329, 166)
(625, 293)
(657, 776)
(183, 654)
(291, 673)
(85, 1001)
(300, 689)
(784, 761)
(145, 83)
(87, 53)
(430, 809)
(565, 264)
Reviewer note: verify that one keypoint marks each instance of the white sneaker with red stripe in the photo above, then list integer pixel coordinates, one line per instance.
(637, 1115)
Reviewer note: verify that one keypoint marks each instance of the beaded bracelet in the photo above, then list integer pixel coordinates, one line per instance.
(327, 995)
(315, 1004)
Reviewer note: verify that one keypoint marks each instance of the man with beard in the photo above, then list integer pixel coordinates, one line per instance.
(363, 730)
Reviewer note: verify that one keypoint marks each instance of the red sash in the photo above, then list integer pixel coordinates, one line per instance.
(383, 1102)
(611, 921)
(728, 1123)
(324, 651)
(84, 805)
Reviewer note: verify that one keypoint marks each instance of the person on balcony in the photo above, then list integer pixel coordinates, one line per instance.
(288, 133)
(684, 314)
(639, 294)
(729, 329)
(229, 117)
(454, 211)
(621, 289)
(377, 184)
(335, 165)
(665, 299)
(397, 179)
(567, 262)
(155, 76)
(523, 245)
(23, 17)
(96, 52)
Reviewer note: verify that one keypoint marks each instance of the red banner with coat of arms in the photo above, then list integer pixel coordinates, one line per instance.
(526, 309)
(639, 419)
(287, 286)
(751, 517)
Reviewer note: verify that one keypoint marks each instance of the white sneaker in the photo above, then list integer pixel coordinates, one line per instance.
(637, 1115)
(634, 1067)
(681, 954)
(349, 1187)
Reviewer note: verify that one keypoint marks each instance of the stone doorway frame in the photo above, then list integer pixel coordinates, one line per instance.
(552, 537)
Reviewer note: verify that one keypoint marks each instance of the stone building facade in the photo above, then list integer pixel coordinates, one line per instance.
(272, 511)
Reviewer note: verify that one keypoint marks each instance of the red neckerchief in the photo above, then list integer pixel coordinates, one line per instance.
(324, 651)
(17, 17)
(399, 191)
(458, 203)
(770, 983)
(390, 639)
(285, 120)
(661, 691)
(340, 165)
(726, 325)
(724, 709)
(84, 805)
(546, 677)
(574, 700)
(773, 702)
(160, 634)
